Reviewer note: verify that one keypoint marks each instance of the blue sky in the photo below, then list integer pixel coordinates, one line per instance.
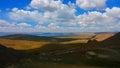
(59, 15)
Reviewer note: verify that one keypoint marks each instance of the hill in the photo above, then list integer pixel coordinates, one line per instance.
(27, 37)
(107, 39)
(21, 44)
(102, 36)
(34, 38)
(9, 55)
(114, 40)
(37, 51)
(26, 42)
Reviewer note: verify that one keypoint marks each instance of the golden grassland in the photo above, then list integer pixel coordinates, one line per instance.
(21, 44)
(77, 52)
(77, 37)
(102, 37)
(27, 44)
(75, 41)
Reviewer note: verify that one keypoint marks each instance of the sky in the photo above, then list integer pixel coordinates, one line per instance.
(59, 15)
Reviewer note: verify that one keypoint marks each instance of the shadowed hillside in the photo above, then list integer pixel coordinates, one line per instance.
(8, 56)
(92, 53)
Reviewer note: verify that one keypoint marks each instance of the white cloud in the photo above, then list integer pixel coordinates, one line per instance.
(39, 27)
(93, 21)
(58, 17)
(24, 25)
(63, 15)
(89, 4)
(96, 20)
(4, 23)
(53, 26)
(114, 12)
(26, 16)
(6, 26)
(47, 5)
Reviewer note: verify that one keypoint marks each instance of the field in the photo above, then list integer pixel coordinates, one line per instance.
(21, 44)
(80, 51)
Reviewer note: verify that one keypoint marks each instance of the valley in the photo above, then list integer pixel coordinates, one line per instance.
(78, 51)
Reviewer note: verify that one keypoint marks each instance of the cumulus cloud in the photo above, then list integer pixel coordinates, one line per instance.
(64, 14)
(4, 23)
(91, 21)
(53, 26)
(25, 15)
(6, 26)
(24, 25)
(59, 17)
(96, 20)
(90, 4)
(114, 12)
(54, 10)
(46, 5)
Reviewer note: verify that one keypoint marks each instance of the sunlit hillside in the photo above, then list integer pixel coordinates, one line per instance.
(80, 51)
(25, 42)
(102, 37)
(21, 44)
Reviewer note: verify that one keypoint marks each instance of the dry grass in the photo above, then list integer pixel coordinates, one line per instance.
(21, 44)
(101, 37)
(25, 44)
(75, 41)
(77, 37)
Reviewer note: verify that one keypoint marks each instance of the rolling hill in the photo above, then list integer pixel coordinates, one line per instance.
(34, 38)
(102, 36)
(9, 55)
(115, 38)
(21, 44)
(34, 51)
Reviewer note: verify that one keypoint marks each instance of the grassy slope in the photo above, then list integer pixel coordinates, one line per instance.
(102, 37)
(76, 57)
(75, 41)
(25, 42)
(21, 44)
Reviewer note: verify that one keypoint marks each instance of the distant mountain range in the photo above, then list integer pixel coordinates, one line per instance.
(38, 34)
(48, 34)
